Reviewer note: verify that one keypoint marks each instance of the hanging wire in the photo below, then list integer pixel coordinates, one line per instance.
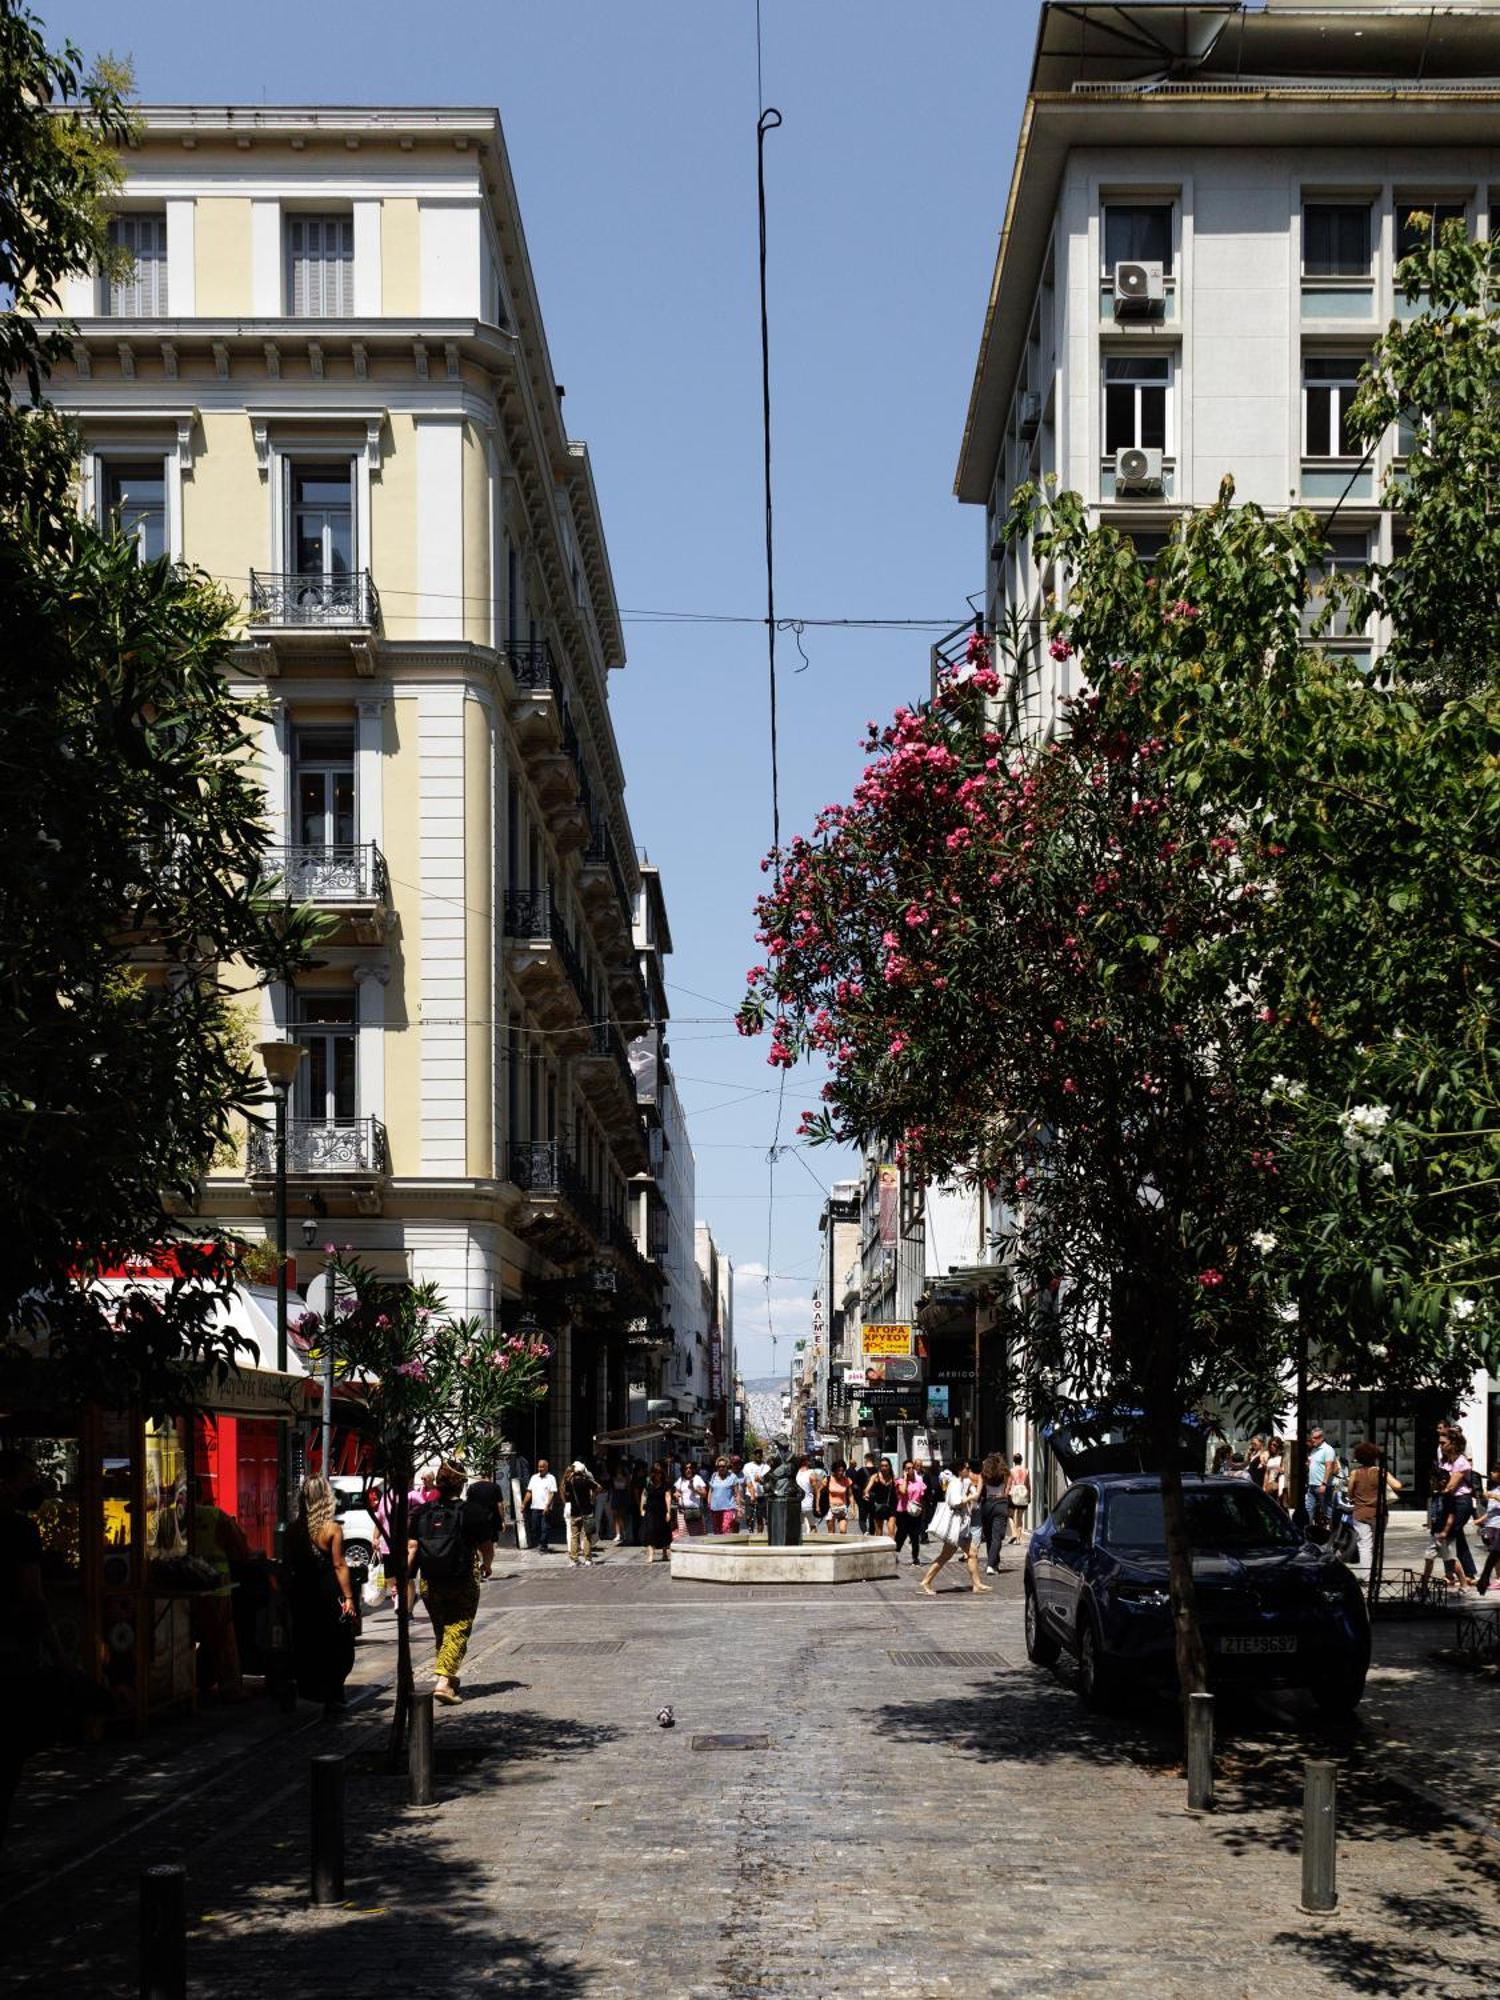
(768, 121)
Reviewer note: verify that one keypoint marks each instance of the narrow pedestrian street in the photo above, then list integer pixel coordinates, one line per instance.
(865, 1793)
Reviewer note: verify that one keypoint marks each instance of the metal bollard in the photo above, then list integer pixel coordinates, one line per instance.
(327, 1879)
(1200, 1753)
(164, 1933)
(1319, 1835)
(420, 1789)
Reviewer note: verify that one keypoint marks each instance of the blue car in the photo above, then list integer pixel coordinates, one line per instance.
(1272, 1606)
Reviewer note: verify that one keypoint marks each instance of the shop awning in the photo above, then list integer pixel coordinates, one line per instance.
(659, 1427)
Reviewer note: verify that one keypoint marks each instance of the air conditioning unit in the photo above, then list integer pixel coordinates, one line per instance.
(1137, 470)
(1030, 412)
(1138, 287)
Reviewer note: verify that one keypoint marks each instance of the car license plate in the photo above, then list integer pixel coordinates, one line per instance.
(1259, 1643)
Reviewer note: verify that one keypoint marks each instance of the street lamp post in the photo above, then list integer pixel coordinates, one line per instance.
(280, 1062)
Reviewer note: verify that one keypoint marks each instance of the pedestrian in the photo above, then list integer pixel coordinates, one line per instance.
(1322, 1472)
(658, 1514)
(721, 1497)
(541, 1492)
(994, 1509)
(1458, 1504)
(692, 1497)
(1273, 1485)
(1489, 1530)
(880, 1499)
(450, 1546)
(838, 1493)
(862, 1475)
(637, 1494)
(580, 1499)
(911, 1492)
(1017, 1498)
(1365, 1483)
(619, 1499)
(322, 1599)
(807, 1488)
(755, 1495)
(951, 1523)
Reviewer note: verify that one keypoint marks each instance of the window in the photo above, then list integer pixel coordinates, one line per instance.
(325, 788)
(320, 266)
(322, 518)
(1346, 555)
(1328, 386)
(1075, 1511)
(1336, 239)
(133, 501)
(1135, 401)
(1138, 232)
(142, 293)
(326, 1081)
(1417, 235)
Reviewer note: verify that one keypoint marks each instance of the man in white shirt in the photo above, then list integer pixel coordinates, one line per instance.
(541, 1491)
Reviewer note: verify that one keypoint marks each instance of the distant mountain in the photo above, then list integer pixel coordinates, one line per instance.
(765, 1384)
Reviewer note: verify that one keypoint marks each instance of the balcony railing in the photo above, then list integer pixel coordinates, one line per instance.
(608, 1041)
(314, 1146)
(545, 1167)
(600, 853)
(531, 914)
(530, 663)
(311, 874)
(279, 598)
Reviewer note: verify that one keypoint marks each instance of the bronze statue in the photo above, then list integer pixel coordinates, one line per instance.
(783, 1504)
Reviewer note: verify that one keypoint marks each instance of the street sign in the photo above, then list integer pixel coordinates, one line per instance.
(854, 1378)
(886, 1340)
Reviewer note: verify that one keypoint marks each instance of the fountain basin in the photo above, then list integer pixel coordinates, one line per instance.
(751, 1559)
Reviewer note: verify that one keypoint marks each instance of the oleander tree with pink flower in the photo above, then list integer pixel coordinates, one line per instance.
(434, 1384)
(1204, 984)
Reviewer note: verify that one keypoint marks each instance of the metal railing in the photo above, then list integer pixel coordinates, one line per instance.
(531, 914)
(316, 1146)
(545, 1166)
(530, 663)
(311, 874)
(608, 1041)
(281, 598)
(574, 748)
(600, 853)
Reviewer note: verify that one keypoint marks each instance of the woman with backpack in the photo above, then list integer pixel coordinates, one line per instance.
(450, 1547)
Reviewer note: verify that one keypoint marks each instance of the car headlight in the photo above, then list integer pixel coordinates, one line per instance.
(1150, 1596)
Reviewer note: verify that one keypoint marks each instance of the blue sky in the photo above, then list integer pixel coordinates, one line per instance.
(631, 128)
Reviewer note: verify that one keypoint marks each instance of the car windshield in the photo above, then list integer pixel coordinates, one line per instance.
(1233, 1516)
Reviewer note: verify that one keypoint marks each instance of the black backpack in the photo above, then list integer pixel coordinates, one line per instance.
(443, 1553)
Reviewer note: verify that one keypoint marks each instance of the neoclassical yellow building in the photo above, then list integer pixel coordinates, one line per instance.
(327, 384)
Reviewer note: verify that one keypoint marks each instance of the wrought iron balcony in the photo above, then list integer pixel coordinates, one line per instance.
(314, 1146)
(600, 853)
(545, 1167)
(337, 875)
(531, 915)
(530, 663)
(283, 599)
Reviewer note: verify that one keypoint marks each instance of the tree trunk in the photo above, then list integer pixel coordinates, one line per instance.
(1164, 1423)
(401, 1714)
(1297, 1483)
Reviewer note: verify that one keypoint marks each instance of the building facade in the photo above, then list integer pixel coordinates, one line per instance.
(327, 385)
(716, 1283)
(1200, 244)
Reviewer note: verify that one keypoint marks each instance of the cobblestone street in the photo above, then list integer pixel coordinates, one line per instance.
(927, 1814)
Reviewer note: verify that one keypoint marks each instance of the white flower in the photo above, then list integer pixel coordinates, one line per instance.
(1263, 1241)
(1462, 1308)
(1363, 1127)
(1290, 1312)
(1385, 1171)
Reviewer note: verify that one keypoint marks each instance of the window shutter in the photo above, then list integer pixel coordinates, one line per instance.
(143, 294)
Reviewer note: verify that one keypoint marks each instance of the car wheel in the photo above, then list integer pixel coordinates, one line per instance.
(1340, 1694)
(1099, 1688)
(1041, 1648)
(358, 1555)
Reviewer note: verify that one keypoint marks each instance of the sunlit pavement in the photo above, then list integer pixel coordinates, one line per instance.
(925, 1813)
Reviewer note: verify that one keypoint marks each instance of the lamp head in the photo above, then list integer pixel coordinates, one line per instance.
(309, 1231)
(280, 1061)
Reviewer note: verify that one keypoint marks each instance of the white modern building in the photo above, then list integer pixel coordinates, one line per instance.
(1199, 247)
(1198, 250)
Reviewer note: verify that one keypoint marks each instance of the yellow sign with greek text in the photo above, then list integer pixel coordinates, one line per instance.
(888, 1342)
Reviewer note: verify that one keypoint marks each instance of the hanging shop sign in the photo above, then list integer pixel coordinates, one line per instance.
(885, 1340)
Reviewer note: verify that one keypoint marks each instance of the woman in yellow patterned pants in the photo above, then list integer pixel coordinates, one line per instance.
(456, 1537)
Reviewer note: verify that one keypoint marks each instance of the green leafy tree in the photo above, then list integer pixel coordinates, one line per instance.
(130, 819)
(434, 1385)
